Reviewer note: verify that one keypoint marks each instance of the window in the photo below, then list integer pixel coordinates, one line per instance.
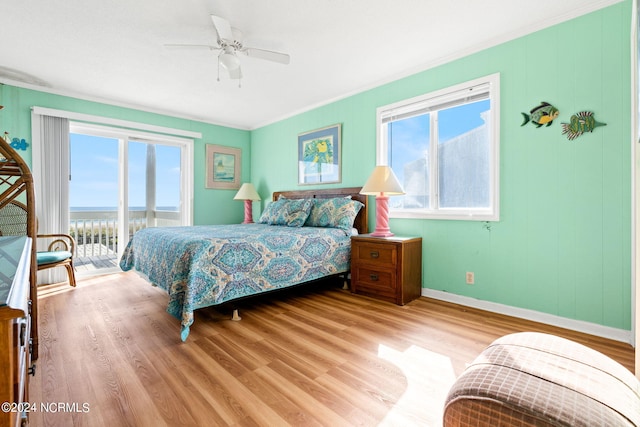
(123, 180)
(444, 149)
(98, 163)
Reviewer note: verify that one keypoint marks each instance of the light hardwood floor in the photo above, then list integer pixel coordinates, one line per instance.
(111, 356)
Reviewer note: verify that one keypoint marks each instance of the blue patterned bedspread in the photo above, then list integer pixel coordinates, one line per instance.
(200, 266)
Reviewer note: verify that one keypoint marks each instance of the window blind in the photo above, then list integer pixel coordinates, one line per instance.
(423, 106)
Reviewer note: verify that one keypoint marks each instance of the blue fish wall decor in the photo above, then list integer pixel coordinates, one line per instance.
(19, 144)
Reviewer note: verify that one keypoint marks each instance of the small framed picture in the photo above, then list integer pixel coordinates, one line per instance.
(319, 156)
(223, 167)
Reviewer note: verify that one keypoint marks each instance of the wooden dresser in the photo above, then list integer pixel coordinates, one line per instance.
(15, 328)
(388, 268)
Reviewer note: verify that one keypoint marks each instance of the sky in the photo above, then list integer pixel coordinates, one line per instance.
(410, 137)
(94, 173)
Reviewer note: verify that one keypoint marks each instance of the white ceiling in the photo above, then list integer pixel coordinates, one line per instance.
(113, 50)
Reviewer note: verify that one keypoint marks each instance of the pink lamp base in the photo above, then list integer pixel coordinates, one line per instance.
(382, 217)
(381, 233)
(248, 212)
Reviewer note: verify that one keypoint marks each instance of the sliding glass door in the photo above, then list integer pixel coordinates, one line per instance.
(153, 185)
(121, 183)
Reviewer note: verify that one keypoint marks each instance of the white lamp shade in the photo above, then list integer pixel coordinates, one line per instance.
(229, 61)
(382, 181)
(247, 192)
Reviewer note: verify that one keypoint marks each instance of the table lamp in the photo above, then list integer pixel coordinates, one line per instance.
(247, 193)
(382, 183)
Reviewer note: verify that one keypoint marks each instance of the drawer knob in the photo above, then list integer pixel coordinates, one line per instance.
(373, 277)
(374, 254)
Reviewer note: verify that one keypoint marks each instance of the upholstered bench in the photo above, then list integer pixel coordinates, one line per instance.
(535, 379)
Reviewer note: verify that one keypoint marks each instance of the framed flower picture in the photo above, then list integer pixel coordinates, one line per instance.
(223, 167)
(319, 156)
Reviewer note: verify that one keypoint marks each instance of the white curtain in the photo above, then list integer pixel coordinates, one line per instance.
(50, 168)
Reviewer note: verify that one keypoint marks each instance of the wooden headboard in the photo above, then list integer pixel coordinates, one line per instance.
(362, 220)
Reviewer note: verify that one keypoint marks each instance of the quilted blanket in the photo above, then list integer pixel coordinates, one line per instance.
(201, 266)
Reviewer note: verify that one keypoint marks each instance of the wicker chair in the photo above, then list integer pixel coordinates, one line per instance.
(60, 249)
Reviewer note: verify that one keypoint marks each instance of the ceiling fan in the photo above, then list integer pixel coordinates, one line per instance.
(229, 44)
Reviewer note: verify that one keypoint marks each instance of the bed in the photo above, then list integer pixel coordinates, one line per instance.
(301, 237)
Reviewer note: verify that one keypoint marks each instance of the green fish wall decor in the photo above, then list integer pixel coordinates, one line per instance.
(543, 114)
(580, 123)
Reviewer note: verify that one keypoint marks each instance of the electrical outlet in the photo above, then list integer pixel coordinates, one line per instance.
(470, 278)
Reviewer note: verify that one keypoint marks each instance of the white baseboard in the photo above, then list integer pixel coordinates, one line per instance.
(536, 316)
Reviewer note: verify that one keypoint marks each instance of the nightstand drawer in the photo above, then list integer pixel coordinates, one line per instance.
(377, 254)
(381, 281)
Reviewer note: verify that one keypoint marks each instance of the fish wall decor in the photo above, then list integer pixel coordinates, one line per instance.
(543, 114)
(580, 123)
(19, 144)
(15, 143)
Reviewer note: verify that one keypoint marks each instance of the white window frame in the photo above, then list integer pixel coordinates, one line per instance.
(111, 127)
(124, 136)
(431, 101)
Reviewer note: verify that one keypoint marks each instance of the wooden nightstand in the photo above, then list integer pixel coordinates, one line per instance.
(389, 268)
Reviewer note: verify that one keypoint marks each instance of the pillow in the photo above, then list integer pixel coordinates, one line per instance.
(335, 213)
(292, 213)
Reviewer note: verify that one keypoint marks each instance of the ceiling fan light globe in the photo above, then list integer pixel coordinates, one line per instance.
(229, 61)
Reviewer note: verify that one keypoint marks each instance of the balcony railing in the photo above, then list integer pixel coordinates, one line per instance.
(96, 232)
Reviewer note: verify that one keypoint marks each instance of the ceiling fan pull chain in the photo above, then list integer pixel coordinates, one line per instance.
(218, 67)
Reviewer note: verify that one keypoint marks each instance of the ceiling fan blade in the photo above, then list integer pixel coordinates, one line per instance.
(191, 46)
(268, 55)
(223, 28)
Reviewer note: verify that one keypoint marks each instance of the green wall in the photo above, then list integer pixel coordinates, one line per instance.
(210, 206)
(563, 243)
